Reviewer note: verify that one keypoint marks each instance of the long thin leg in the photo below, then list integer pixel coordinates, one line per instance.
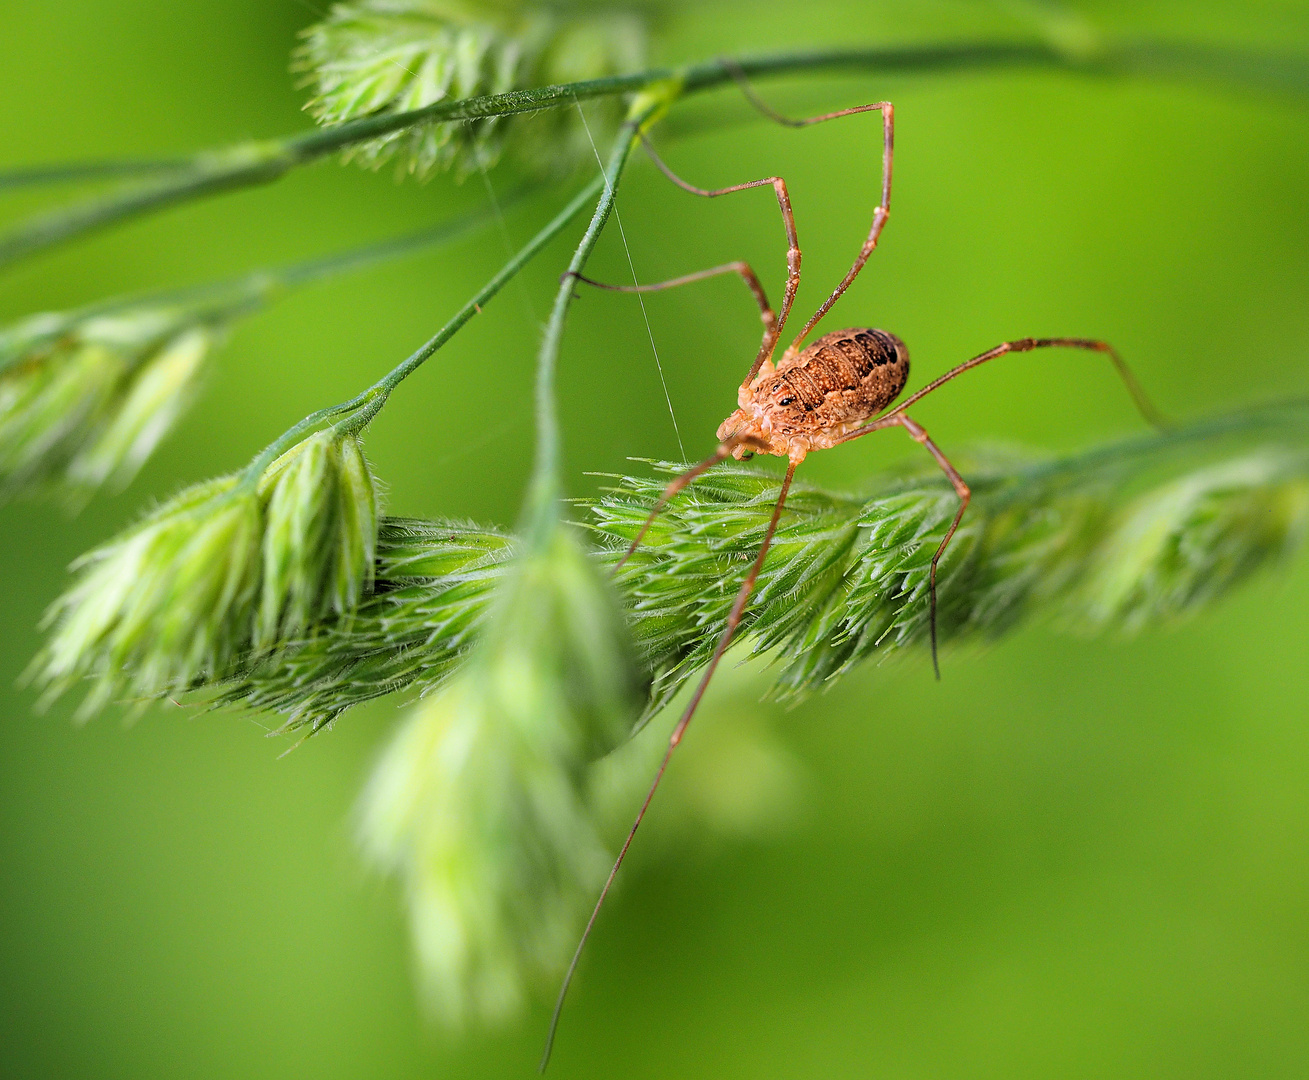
(898, 416)
(880, 215)
(725, 448)
(677, 483)
(733, 620)
(674, 486)
(1143, 404)
(792, 241)
(961, 489)
(883, 210)
(919, 435)
(741, 267)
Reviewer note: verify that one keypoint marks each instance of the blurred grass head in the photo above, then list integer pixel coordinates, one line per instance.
(224, 570)
(481, 804)
(371, 57)
(85, 399)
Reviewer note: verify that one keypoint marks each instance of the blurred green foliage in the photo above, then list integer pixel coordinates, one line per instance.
(1069, 858)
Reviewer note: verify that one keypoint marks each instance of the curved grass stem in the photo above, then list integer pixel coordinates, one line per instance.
(361, 409)
(543, 500)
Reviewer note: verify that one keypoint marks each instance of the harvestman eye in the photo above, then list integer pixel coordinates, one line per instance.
(857, 373)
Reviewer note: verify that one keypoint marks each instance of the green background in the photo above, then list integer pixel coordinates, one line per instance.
(1069, 858)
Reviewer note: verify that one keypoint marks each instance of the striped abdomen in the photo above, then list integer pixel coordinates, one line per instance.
(864, 369)
(820, 394)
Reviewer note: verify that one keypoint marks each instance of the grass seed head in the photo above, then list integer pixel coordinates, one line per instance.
(481, 806)
(226, 570)
(161, 606)
(85, 399)
(319, 538)
(388, 56)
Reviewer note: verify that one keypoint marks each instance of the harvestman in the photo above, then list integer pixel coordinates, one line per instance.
(813, 398)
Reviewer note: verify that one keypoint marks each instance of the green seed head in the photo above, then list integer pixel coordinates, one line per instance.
(1189, 541)
(162, 606)
(482, 805)
(84, 399)
(490, 836)
(388, 56)
(1115, 539)
(226, 570)
(320, 536)
(158, 393)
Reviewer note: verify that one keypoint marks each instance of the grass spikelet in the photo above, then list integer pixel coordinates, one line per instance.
(388, 56)
(226, 570)
(85, 398)
(319, 539)
(431, 603)
(481, 804)
(1179, 547)
(164, 604)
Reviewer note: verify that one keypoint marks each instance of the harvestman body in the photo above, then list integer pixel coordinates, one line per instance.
(813, 398)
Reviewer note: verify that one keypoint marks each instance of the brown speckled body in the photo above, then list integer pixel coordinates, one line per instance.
(810, 400)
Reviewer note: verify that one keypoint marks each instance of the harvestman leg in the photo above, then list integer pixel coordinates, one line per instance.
(883, 210)
(772, 324)
(899, 417)
(919, 435)
(880, 215)
(680, 481)
(788, 218)
(771, 327)
(771, 330)
(733, 620)
(1144, 406)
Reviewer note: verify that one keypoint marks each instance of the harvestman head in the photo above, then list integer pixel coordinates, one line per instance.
(812, 398)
